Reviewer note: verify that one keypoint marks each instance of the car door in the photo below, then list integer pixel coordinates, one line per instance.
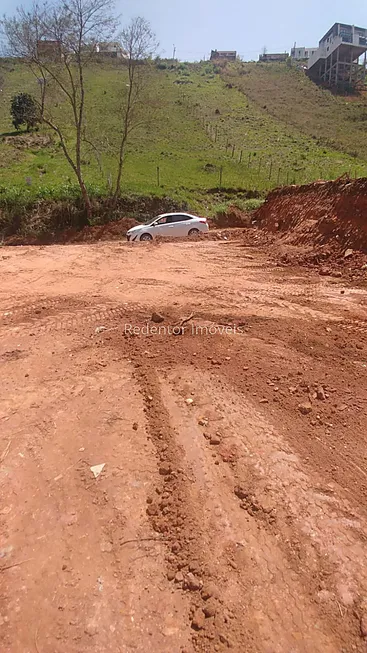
(187, 224)
(160, 227)
(176, 225)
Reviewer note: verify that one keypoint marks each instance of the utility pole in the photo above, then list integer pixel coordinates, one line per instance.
(174, 52)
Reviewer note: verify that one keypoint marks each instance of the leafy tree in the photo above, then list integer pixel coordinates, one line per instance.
(24, 111)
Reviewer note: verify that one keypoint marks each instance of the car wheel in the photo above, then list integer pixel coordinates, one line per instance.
(146, 237)
(194, 232)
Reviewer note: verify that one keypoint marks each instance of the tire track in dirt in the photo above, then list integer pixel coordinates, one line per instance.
(273, 604)
(298, 551)
(65, 314)
(266, 601)
(215, 625)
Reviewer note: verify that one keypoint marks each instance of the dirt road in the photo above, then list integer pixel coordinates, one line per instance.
(231, 509)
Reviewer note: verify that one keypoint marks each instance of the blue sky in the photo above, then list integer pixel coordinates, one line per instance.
(197, 26)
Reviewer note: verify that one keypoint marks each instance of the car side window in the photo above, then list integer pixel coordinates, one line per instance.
(162, 221)
(177, 218)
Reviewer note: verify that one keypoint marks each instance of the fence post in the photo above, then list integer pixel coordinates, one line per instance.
(233, 149)
(220, 176)
(240, 159)
(158, 179)
(249, 159)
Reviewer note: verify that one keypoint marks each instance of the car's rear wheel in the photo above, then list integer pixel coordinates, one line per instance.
(146, 237)
(194, 232)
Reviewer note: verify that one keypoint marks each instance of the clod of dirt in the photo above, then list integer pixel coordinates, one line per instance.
(208, 591)
(192, 583)
(175, 548)
(203, 422)
(152, 509)
(135, 426)
(189, 401)
(91, 630)
(198, 620)
(157, 318)
(210, 608)
(165, 470)
(305, 408)
(195, 568)
(320, 393)
(170, 575)
(241, 492)
(179, 577)
(324, 272)
(348, 253)
(215, 439)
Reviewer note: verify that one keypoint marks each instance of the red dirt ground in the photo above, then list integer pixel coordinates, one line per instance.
(321, 225)
(319, 212)
(231, 510)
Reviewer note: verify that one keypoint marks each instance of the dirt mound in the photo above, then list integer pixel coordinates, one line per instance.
(110, 231)
(233, 217)
(319, 213)
(25, 141)
(331, 259)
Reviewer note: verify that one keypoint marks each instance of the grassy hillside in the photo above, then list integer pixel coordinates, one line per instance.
(290, 96)
(249, 126)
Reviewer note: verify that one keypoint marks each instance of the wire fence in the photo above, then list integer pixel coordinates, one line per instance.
(258, 166)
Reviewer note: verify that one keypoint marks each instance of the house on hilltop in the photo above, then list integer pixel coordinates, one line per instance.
(302, 54)
(223, 55)
(112, 49)
(336, 62)
(269, 58)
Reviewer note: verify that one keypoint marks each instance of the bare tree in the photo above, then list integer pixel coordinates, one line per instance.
(139, 43)
(58, 41)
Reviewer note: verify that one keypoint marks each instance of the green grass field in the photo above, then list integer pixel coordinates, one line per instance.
(337, 122)
(247, 126)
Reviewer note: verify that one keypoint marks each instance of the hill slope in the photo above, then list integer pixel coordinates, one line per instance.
(205, 125)
(289, 95)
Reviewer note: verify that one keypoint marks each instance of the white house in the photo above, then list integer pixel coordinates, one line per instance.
(336, 62)
(302, 54)
(111, 49)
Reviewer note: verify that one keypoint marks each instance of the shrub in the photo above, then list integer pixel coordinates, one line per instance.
(253, 204)
(24, 111)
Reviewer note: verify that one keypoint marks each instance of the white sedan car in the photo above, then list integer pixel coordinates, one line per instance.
(175, 225)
